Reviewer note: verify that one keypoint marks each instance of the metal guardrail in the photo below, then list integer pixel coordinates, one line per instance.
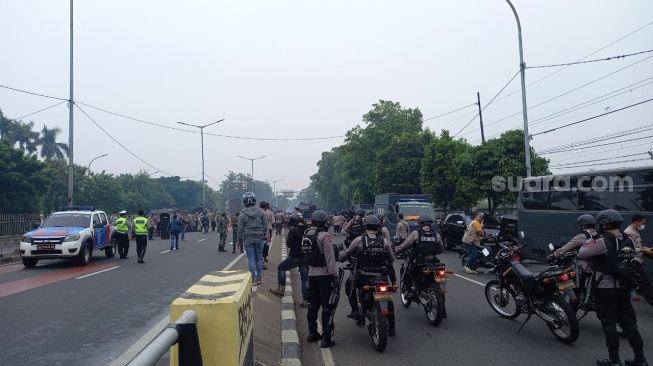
(183, 333)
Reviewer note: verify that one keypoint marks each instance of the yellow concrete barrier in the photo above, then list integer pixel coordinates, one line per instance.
(223, 303)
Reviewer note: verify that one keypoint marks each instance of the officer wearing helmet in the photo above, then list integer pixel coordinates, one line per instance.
(587, 226)
(426, 244)
(382, 229)
(294, 259)
(355, 227)
(374, 258)
(612, 293)
(322, 277)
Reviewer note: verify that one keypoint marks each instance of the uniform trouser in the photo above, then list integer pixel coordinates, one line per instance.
(645, 287)
(123, 244)
(353, 301)
(223, 239)
(150, 233)
(319, 291)
(141, 245)
(613, 306)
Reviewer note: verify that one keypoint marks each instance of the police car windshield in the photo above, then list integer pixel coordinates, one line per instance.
(412, 211)
(68, 219)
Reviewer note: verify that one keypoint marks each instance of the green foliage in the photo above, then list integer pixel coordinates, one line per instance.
(21, 180)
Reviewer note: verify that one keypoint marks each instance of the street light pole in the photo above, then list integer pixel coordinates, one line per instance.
(70, 116)
(252, 160)
(201, 127)
(274, 184)
(94, 159)
(522, 68)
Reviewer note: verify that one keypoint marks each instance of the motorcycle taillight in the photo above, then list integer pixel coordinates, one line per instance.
(563, 277)
(382, 288)
(440, 272)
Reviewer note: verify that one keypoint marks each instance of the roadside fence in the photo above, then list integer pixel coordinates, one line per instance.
(18, 224)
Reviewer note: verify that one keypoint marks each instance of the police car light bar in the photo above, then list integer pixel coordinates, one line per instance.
(77, 208)
(422, 200)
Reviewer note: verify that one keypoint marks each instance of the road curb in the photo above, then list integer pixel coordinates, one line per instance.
(290, 348)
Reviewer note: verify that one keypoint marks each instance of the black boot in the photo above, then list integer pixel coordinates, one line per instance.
(613, 359)
(313, 334)
(327, 341)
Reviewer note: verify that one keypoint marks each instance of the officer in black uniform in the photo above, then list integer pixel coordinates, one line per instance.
(373, 256)
(609, 257)
(355, 227)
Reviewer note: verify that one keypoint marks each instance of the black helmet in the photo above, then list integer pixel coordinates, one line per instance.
(360, 212)
(249, 199)
(372, 222)
(380, 217)
(611, 218)
(319, 217)
(586, 220)
(295, 220)
(425, 219)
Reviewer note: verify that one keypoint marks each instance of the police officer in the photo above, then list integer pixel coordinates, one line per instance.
(402, 228)
(122, 234)
(354, 228)
(383, 231)
(612, 296)
(587, 225)
(140, 231)
(322, 279)
(645, 287)
(426, 244)
(221, 222)
(374, 256)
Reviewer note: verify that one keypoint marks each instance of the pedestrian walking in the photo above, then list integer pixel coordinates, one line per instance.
(472, 240)
(234, 235)
(151, 227)
(122, 234)
(140, 232)
(278, 222)
(174, 228)
(184, 225)
(269, 216)
(295, 259)
(221, 223)
(252, 232)
(205, 222)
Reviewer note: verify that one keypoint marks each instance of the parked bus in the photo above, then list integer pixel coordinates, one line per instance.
(549, 205)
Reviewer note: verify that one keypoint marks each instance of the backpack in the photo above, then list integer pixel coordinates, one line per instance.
(312, 254)
(373, 255)
(618, 261)
(357, 229)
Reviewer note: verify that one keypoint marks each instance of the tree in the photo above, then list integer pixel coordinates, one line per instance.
(17, 133)
(22, 181)
(399, 163)
(50, 148)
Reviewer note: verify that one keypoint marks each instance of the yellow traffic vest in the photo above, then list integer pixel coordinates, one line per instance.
(121, 225)
(140, 225)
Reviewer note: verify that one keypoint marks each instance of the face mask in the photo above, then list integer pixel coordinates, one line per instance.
(641, 227)
(426, 228)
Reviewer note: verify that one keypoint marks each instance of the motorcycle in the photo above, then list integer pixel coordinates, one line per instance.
(517, 290)
(428, 291)
(581, 297)
(374, 296)
(482, 261)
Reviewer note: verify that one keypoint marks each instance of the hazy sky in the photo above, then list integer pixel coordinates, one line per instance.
(309, 69)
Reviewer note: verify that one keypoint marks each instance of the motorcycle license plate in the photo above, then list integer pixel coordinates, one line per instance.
(382, 296)
(566, 285)
(441, 279)
(45, 247)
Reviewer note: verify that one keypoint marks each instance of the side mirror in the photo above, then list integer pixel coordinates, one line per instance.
(485, 252)
(35, 226)
(551, 247)
(522, 235)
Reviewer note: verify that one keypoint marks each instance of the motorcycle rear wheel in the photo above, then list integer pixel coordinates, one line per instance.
(500, 298)
(434, 309)
(379, 331)
(405, 300)
(566, 327)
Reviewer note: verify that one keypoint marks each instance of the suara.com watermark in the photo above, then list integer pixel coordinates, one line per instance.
(588, 183)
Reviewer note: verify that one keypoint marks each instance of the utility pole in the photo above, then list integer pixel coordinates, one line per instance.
(252, 161)
(522, 68)
(202, 127)
(274, 184)
(71, 104)
(480, 116)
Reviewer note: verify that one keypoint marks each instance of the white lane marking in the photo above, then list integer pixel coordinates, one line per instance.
(147, 338)
(469, 279)
(201, 240)
(327, 357)
(97, 272)
(165, 251)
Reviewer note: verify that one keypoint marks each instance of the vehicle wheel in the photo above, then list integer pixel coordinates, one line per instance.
(565, 326)
(445, 242)
(30, 262)
(405, 300)
(434, 309)
(463, 259)
(84, 256)
(379, 332)
(501, 299)
(111, 250)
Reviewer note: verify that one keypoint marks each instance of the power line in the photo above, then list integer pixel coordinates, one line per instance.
(490, 102)
(578, 156)
(605, 144)
(580, 59)
(602, 159)
(609, 162)
(41, 110)
(591, 118)
(31, 93)
(120, 144)
(599, 138)
(591, 61)
(450, 112)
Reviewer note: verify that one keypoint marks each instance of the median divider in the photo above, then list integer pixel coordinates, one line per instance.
(222, 301)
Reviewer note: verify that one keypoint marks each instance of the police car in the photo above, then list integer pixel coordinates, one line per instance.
(71, 232)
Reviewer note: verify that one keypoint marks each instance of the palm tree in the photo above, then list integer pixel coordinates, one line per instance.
(50, 148)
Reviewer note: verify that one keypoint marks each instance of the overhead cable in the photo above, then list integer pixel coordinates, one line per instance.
(41, 110)
(591, 61)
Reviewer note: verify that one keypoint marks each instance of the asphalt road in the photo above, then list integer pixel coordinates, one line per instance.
(471, 335)
(51, 316)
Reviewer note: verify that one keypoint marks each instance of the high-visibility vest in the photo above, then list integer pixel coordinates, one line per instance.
(121, 225)
(140, 225)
